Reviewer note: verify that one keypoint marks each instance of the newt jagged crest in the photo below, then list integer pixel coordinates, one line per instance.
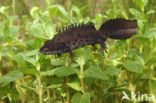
(75, 36)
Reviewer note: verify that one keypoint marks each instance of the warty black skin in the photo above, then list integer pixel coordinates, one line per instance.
(51, 47)
(85, 34)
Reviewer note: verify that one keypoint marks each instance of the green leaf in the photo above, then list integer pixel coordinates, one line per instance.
(50, 29)
(81, 61)
(140, 59)
(10, 77)
(132, 53)
(5, 52)
(151, 33)
(151, 61)
(150, 12)
(47, 73)
(143, 39)
(75, 85)
(23, 57)
(31, 53)
(121, 46)
(139, 3)
(112, 13)
(31, 60)
(145, 2)
(57, 62)
(146, 52)
(48, 2)
(95, 73)
(134, 66)
(4, 10)
(36, 30)
(64, 71)
(14, 32)
(20, 44)
(135, 12)
(30, 88)
(153, 84)
(20, 60)
(76, 98)
(35, 12)
(11, 33)
(83, 55)
(112, 71)
(54, 86)
(80, 16)
(57, 10)
(98, 18)
(79, 98)
(75, 9)
(85, 98)
(140, 24)
(30, 71)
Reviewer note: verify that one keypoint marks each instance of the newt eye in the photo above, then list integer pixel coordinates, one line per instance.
(46, 49)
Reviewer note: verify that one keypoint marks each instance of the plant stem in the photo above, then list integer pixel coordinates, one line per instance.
(20, 91)
(67, 87)
(67, 91)
(17, 83)
(83, 85)
(39, 89)
(48, 94)
(102, 83)
(53, 77)
(13, 6)
(150, 81)
(54, 93)
(131, 86)
(82, 80)
(123, 9)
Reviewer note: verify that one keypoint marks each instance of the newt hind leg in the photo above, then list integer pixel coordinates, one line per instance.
(71, 53)
(103, 48)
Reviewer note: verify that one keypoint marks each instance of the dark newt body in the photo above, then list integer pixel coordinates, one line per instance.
(119, 28)
(86, 34)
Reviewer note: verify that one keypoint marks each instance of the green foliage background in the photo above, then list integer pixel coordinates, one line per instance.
(27, 76)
